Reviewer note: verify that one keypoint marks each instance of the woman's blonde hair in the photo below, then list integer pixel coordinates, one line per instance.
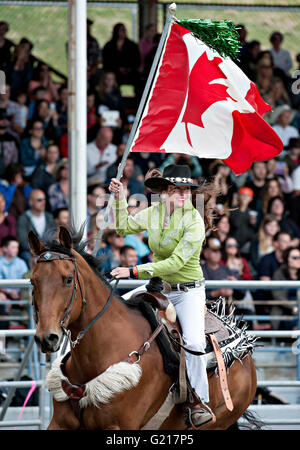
(262, 235)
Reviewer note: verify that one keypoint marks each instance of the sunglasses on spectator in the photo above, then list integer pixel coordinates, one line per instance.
(42, 199)
(231, 245)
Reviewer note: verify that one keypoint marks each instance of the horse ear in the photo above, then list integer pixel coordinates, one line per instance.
(65, 237)
(35, 244)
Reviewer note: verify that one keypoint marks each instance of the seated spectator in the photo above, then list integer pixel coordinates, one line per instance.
(35, 219)
(292, 158)
(242, 31)
(282, 117)
(280, 170)
(271, 189)
(133, 185)
(15, 189)
(33, 148)
(242, 224)
(214, 270)
(265, 74)
(257, 182)
(222, 228)
(58, 193)
(137, 242)
(269, 263)
(62, 108)
(8, 143)
(149, 58)
(112, 170)
(263, 244)
(8, 223)
(294, 199)
(20, 69)
(42, 77)
(239, 265)
(276, 207)
(181, 158)
(6, 46)
(38, 94)
(234, 261)
(11, 266)
(93, 47)
(96, 200)
(61, 216)
(129, 258)
(288, 270)
(12, 109)
(121, 56)
(49, 118)
(112, 250)
(281, 57)
(21, 115)
(277, 94)
(146, 44)
(267, 266)
(248, 59)
(223, 182)
(42, 177)
(92, 117)
(109, 95)
(101, 153)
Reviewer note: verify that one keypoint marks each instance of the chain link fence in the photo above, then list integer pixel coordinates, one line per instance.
(45, 23)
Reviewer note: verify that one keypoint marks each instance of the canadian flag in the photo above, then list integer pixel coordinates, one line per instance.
(204, 105)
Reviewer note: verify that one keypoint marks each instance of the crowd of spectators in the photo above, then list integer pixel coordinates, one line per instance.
(257, 233)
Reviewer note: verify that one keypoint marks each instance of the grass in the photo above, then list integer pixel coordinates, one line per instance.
(47, 27)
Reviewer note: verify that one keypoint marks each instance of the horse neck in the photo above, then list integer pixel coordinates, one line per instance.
(104, 343)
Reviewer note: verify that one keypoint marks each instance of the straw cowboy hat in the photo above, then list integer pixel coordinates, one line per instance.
(172, 175)
(278, 111)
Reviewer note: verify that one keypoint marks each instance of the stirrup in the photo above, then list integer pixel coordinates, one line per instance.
(211, 418)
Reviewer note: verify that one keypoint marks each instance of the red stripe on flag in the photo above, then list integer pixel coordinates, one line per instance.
(253, 139)
(168, 95)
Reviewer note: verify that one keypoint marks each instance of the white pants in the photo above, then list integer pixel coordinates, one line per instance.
(190, 313)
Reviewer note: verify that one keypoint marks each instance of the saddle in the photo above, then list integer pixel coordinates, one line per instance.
(215, 332)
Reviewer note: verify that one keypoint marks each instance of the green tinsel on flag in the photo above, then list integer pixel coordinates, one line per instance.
(220, 36)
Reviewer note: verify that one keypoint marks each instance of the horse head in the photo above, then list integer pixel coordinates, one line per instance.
(55, 280)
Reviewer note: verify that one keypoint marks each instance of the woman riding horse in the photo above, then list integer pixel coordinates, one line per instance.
(176, 234)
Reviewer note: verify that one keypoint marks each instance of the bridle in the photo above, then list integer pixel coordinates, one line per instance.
(50, 256)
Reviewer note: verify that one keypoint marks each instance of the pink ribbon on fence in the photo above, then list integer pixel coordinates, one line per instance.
(31, 390)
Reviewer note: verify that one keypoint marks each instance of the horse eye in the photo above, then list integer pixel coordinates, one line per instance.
(69, 281)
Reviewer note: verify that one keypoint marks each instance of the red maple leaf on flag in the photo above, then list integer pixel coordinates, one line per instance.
(202, 92)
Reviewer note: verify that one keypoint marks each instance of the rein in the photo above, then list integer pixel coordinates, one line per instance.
(55, 256)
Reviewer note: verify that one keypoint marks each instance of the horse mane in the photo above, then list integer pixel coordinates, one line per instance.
(79, 244)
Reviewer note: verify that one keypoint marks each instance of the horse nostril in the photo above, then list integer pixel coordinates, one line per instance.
(52, 338)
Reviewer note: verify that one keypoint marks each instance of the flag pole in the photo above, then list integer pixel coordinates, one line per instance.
(172, 11)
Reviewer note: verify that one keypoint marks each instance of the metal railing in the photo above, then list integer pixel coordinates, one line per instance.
(131, 284)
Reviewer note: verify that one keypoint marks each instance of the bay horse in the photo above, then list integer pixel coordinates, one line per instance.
(68, 294)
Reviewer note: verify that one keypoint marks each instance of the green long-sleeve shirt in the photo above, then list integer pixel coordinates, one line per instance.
(176, 249)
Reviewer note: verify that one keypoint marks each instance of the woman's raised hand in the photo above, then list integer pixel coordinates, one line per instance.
(116, 187)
